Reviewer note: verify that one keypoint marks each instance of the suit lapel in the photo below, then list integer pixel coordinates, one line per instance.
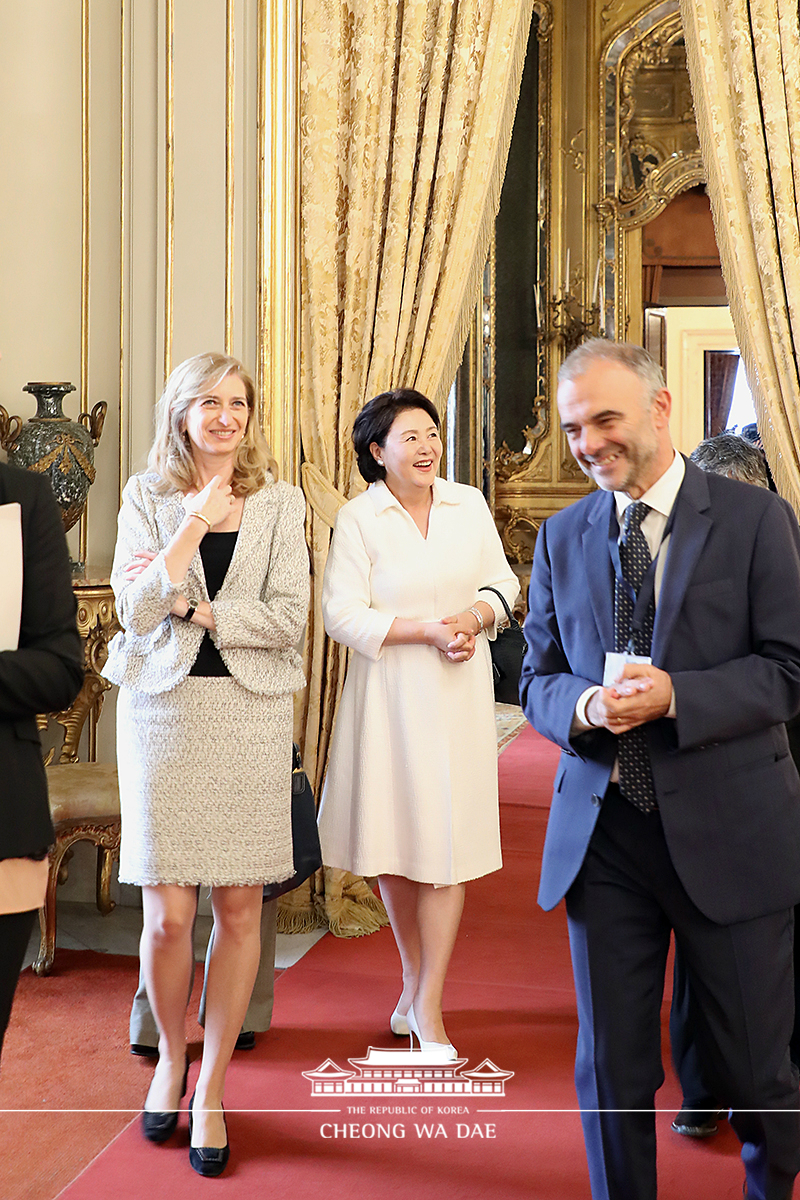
(689, 533)
(599, 571)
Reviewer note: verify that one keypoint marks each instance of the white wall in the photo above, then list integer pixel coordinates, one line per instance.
(690, 332)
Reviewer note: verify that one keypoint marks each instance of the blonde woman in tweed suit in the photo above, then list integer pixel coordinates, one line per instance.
(210, 577)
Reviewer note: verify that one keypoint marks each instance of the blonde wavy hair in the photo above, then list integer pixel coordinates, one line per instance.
(171, 457)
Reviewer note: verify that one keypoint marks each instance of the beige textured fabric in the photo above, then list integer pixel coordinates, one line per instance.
(406, 117)
(743, 60)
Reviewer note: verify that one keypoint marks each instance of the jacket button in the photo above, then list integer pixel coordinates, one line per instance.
(597, 801)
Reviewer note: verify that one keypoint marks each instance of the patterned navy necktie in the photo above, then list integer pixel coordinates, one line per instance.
(635, 775)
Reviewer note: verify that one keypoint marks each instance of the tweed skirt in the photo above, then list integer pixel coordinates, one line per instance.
(205, 785)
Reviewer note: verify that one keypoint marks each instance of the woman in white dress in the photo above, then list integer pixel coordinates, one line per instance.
(411, 788)
(210, 577)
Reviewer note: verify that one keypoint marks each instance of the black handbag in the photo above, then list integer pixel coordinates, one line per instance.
(305, 835)
(507, 651)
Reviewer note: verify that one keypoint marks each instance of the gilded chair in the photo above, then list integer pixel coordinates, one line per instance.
(84, 796)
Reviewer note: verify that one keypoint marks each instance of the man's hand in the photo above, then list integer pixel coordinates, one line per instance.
(642, 693)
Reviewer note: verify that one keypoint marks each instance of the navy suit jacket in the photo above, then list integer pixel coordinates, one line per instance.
(727, 629)
(45, 673)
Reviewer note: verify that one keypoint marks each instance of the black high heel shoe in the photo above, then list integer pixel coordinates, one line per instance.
(207, 1160)
(159, 1126)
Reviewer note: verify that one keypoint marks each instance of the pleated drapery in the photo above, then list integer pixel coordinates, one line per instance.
(743, 60)
(407, 108)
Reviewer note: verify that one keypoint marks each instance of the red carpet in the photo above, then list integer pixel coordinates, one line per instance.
(68, 1085)
(509, 999)
(527, 768)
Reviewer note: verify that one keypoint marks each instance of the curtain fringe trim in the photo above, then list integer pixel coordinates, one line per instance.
(347, 918)
(295, 920)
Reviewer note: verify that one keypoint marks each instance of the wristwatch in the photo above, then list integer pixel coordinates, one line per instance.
(191, 610)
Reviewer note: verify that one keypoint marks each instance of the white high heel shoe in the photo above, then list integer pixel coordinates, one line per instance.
(433, 1051)
(398, 1023)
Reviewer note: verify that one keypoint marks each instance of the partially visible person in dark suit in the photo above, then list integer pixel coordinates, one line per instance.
(257, 1019)
(42, 674)
(739, 458)
(663, 657)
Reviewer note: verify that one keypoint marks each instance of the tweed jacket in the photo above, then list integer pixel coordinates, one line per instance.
(260, 610)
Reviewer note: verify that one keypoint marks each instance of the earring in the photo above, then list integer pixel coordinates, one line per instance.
(380, 462)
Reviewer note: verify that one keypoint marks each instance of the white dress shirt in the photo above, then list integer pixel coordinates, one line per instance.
(660, 499)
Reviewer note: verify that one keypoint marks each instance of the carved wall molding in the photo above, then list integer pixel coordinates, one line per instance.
(577, 154)
(518, 530)
(518, 464)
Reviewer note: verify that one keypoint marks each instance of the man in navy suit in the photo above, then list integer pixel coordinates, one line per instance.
(676, 805)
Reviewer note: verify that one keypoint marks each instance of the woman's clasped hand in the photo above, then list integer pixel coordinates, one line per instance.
(454, 640)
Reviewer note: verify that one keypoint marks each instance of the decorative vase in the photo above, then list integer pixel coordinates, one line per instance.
(56, 446)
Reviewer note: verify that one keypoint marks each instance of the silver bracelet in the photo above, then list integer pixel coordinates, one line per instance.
(476, 613)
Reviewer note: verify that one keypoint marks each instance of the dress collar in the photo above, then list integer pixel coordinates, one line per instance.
(444, 492)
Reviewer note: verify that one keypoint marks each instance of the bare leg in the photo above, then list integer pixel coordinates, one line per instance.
(439, 915)
(425, 922)
(400, 895)
(232, 970)
(167, 963)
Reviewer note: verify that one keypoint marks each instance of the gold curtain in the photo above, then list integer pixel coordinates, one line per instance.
(743, 60)
(406, 112)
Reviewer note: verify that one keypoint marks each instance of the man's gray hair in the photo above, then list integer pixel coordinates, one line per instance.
(733, 456)
(622, 354)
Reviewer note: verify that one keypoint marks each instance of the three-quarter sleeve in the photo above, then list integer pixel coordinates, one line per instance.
(346, 600)
(495, 571)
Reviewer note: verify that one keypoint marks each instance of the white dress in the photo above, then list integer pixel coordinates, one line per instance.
(411, 786)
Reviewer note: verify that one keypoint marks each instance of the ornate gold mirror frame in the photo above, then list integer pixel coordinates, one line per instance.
(648, 151)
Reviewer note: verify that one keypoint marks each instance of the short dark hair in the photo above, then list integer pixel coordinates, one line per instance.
(733, 456)
(376, 419)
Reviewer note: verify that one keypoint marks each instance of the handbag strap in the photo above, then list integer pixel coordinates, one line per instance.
(511, 619)
(297, 762)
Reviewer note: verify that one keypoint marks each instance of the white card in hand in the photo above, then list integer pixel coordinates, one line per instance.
(615, 662)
